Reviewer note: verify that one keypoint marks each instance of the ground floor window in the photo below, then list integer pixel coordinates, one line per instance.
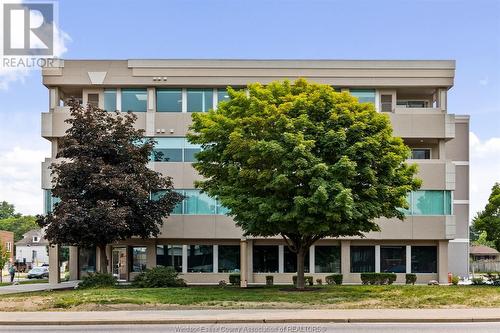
(393, 259)
(424, 259)
(86, 261)
(200, 258)
(362, 259)
(265, 259)
(138, 259)
(327, 259)
(169, 256)
(229, 258)
(290, 261)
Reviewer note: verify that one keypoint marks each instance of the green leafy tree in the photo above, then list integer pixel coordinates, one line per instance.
(19, 225)
(4, 259)
(7, 210)
(104, 184)
(488, 220)
(302, 161)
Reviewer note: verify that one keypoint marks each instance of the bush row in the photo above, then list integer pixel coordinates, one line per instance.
(378, 278)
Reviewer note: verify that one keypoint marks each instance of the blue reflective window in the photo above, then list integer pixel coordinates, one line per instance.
(364, 95)
(175, 150)
(110, 100)
(429, 202)
(134, 100)
(169, 100)
(198, 203)
(222, 95)
(199, 100)
(50, 201)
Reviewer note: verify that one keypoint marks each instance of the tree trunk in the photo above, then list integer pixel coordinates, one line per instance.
(300, 268)
(103, 259)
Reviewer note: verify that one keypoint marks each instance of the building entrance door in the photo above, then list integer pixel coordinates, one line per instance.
(119, 261)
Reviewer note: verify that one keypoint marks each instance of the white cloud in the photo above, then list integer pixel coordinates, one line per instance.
(10, 75)
(484, 170)
(484, 81)
(20, 178)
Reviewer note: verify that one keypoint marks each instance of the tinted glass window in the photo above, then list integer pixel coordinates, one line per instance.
(200, 258)
(290, 261)
(265, 259)
(110, 100)
(199, 100)
(169, 256)
(134, 100)
(362, 259)
(169, 100)
(424, 259)
(327, 259)
(393, 259)
(229, 258)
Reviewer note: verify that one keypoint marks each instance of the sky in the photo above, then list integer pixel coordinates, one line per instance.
(466, 31)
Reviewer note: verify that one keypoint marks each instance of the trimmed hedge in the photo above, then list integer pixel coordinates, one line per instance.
(97, 280)
(159, 277)
(411, 278)
(307, 280)
(334, 279)
(378, 278)
(269, 280)
(235, 279)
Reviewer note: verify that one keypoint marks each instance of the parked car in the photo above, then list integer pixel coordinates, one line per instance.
(38, 273)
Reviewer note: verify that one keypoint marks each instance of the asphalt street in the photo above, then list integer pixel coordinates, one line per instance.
(268, 328)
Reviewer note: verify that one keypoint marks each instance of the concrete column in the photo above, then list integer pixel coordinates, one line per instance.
(151, 254)
(109, 254)
(408, 259)
(150, 114)
(281, 258)
(184, 258)
(243, 263)
(214, 98)
(311, 260)
(443, 262)
(184, 100)
(54, 272)
(250, 260)
(73, 263)
(345, 257)
(216, 259)
(442, 149)
(53, 98)
(377, 258)
(442, 99)
(119, 99)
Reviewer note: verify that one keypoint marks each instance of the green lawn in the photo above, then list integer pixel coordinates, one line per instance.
(261, 297)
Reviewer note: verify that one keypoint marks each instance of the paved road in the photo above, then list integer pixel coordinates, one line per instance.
(267, 328)
(26, 288)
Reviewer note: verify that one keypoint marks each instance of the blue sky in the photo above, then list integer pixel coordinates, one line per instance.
(467, 31)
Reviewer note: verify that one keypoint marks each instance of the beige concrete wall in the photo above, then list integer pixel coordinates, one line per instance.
(462, 182)
(240, 72)
(457, 149)
(183, 174)
(409, 125)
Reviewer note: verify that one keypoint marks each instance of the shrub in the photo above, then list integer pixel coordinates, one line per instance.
(269, 280)
(222, 283)
(334, 279)
(478, 281)
(307, 280)
(235, 279)
(454, 280)
(159, 277)
(97, 280)
(319, 282)
(411, 278)
(378, 278)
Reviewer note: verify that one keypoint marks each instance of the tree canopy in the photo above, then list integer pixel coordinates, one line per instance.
(104, 184)
(302, 161)
(7, 210)
(488, 220)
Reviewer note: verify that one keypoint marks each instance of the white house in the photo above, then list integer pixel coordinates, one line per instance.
(33, 249)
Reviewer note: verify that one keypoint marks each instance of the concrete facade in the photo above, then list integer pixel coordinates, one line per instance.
(412, 93)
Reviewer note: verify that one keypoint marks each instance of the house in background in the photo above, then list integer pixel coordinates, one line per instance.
(482, 252)
(32, 250)
(7, 242)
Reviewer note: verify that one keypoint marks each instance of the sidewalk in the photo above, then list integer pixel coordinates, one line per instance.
(251, 316)
(26, 288)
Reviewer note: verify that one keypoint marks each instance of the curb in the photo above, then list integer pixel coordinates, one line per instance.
(244, 321)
